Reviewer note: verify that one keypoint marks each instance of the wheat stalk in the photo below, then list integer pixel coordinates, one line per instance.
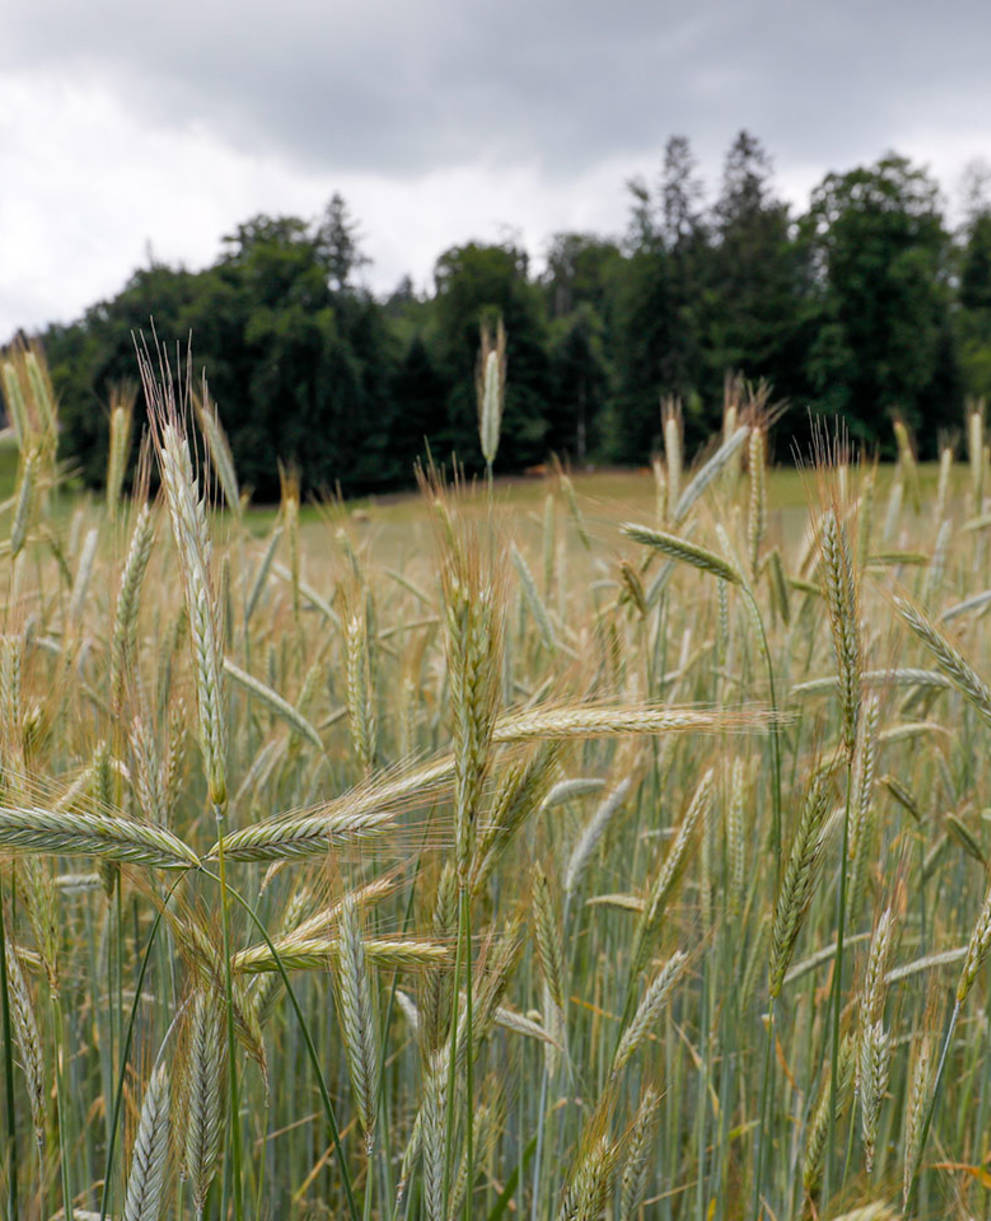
(71, 833)
(299, 837)
(757, 518)
(357, 1018)
(28, 1041)
(491, 389)
(123, 636)
(122, 399)
(735, 840)
(663, 885)
(818, 1129)
(684, 551)
(586, 1195)
(620, 721)
(316, 953)
(647, 1012)
(634, 1178)
(203, 1119)
(591, 836)
(875, 1053)
(218, 448)
(187, 513)
(725, 456)
(146, 1180)
(950, 660)
(798, 882)
(525, 788)
(84, 571)
(274, 702)
(361, 697)
(841, 599)
(533, 600)
(24, 506)
(862, 798)
(921, 1083)
(673, 452)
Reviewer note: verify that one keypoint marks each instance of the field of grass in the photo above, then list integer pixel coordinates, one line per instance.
(607, 847)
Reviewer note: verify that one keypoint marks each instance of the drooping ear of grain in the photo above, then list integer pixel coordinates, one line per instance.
(684, 550)
(949, 659)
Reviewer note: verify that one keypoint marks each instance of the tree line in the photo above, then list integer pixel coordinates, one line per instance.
(865, 306)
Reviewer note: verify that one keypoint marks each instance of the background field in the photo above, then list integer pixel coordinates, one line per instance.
(480, 855)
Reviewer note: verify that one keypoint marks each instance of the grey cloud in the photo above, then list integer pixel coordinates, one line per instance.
(400, 89)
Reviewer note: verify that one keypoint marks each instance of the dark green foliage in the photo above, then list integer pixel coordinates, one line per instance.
(863, 307)
(296, 366)
(579, 382)
(878, 266)
(973, 319)
(975, 277)
(419, 392)
(475, 282)
(754, 278)
(656, 353)
(659, 301)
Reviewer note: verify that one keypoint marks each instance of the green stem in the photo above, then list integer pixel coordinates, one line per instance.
(469, 1084)
(931, 1109)
(837, 993)
(58, 1022)
(311, 1051)
(765, 1090)
(452, 1066)
(125, 1050)
(538, 1157)
(387, 1192)
(775, 736)
(235, 1108)
(8, 1072)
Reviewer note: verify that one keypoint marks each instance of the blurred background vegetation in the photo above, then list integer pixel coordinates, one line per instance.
(867, 306)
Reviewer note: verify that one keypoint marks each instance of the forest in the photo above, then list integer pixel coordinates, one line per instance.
(868, 306)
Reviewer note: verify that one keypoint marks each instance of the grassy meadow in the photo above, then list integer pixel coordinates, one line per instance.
(607, 846)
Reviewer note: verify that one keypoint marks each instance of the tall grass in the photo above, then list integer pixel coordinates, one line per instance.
(593, 861)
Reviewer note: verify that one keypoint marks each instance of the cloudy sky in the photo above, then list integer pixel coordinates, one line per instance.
(129, 128)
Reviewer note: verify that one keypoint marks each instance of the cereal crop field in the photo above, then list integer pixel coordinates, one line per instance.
(608, 846)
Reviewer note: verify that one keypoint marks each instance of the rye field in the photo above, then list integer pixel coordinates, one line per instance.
(606, 847)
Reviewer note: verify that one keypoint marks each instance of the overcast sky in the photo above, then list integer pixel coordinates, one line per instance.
(129, 127)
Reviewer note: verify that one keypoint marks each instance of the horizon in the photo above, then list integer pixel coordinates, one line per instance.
(438, 125)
